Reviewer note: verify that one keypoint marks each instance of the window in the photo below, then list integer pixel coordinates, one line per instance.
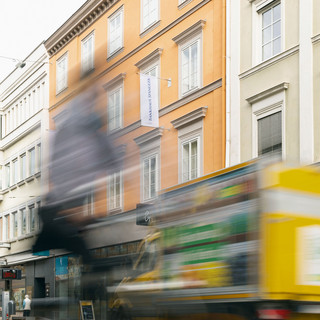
(15, 171)
(7, 175)
(23, 166)
(5, 228)
(150, 13)
(32, 161)
(115, 32)
(270, 134)
(23, 216)
(114, 191)
(39, 157)
(190, 135)
(32, 218)
(115, 108)
(190, 67)
(271, 32)
(190, 159)
(87, 54)
(62, 73)
(150, 177)
(14, 224)
(268, 125)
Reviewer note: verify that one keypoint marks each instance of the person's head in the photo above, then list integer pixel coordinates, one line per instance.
(26, 296)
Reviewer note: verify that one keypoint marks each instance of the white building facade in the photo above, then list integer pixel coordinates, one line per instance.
(273, 71)
(24, 105)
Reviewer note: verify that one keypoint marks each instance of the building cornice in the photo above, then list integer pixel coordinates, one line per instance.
(114, 81)
(151, 56)
(189, 118)
(186, 34)
(315, 39)
(267, 93)
(77, 23)
(149, 136)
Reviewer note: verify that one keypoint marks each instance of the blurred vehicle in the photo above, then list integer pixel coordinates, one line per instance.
(242, 243)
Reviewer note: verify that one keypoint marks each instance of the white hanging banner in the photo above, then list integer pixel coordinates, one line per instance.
(149, 101)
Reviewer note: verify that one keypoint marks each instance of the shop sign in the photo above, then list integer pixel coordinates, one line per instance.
(13, 274)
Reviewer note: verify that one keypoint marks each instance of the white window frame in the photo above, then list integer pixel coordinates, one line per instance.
(21, 210)
(182, 46)
(23, 175)
(62, 59)
(29, 216)
(189, 141)
(5, 227)
(258, 8)
(144, 28)
(90, 58)
(32, 169)
(15, 214)
(15, 171)
(263, 108)
(147, 156)
(112, 90)
(186, 134)
(112, 209)
(7, 175)
(119, 12)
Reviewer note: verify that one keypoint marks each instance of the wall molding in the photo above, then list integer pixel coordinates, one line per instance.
(149, 136)
(270, 62)
(77, 23)
(190, 117)
(191, 97)
(151, 56)
(186, 34)
(267, 93)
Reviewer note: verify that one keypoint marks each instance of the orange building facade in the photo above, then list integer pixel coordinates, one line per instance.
(182, 43)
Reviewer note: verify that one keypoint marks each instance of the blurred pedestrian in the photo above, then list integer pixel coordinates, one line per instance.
(81, 153)
(26, 306)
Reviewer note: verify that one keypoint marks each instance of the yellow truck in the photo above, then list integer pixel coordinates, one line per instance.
(239, 244)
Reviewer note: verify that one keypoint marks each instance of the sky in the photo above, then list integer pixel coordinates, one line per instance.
(24, 24)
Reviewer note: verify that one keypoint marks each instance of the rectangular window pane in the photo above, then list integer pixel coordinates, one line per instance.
(15, 224)
(190, 166)
(270, 134)
(149, 177)
(7, 172)
(23, 221)
(32, 161)
(271, 32)
(114, 109)
(61, 74)
(150, 12)
(23, 166)
(87, 54)
(190, 57)
(114, 198)
(32, 218)
(15, 171)
(115, 32)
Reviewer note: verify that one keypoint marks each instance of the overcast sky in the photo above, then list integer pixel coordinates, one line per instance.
(24, 24)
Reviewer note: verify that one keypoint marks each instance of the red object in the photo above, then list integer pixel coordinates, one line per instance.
(271, 314)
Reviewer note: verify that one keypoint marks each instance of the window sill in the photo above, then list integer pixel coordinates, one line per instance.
(21, 183)
(115, 53)
(114, 211)
(150, 28)
(61, 91)
(85, 74)
(30, 179)
(183, 4)
(184, 95)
